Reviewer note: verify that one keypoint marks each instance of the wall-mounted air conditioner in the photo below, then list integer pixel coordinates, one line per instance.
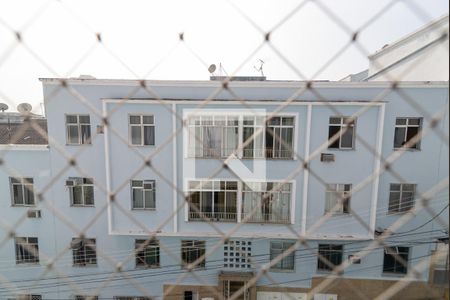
(34, 213)
(327, 157)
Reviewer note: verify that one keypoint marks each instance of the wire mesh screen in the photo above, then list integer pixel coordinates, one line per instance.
(235, 187)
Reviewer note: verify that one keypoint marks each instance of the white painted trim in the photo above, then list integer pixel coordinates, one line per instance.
(24, 147)
(238, 84)
(262, 234)
(107, 169)
(258, 102)
(174, 171)
(376, 168)
(306, 171)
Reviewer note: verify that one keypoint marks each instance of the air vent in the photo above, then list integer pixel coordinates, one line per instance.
(327, 157)
(34, 214)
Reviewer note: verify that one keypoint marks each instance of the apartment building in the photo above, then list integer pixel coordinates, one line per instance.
(193, 189)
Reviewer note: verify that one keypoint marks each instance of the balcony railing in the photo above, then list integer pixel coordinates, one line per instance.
(246, 153)
(212, 216)
(265, 218)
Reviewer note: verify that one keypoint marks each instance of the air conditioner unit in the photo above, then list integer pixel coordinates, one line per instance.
(34, 214)
(327, 157)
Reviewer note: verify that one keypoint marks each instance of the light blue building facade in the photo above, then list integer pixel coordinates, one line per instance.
(236, 175)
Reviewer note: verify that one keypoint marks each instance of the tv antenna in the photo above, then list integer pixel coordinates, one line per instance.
(260, 68)
(24, 108)
(3, 107)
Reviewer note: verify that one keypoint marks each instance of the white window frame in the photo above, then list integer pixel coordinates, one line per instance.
(342, 124)
(212, 186)
(280, 126)
(401, 201)
(85, 244)
(199, 247)
(275, 252)
(27, 251)
(26, 184)
(261, 188)
(407, 125)
(84, 184)
(338, 191)
(197, 122)
(390, 250)
(78, 124)
(142, 126)
(145, 248)
(150, 182)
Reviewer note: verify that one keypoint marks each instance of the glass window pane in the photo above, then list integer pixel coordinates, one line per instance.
(85, 134)
(149, 135)
(89, 195)
(399, 137)
(29, 195)
(414, 121)
(413, 133)
(149, 199)
(72, 132)
(347, 137)
(288, 121)
(18, 194)
(77, 195)
(147, 120)
(138, 198)
(84, 119)
(135, 119)
(71, 119)
(333, 133)
(400, 121)
(136, 135)
(395, 187)
(335, 120)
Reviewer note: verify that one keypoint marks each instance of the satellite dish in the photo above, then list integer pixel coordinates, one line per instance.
(24, 108)
(3, 107)
(212, 68)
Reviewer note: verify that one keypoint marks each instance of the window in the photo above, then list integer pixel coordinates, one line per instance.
(237, 254)
(142, 130)
(131, 298)
(219, 136)
(236, 289)
(213, 200)
(277, 249)
(143, 194)
(253, 131)
(147, 253)
(78, 128)
(341, 133)
(395, 260)
(330, 256)
(279, 137)
(405, 130)
(22, 191)
(28, 297)
(84, 252)
(191, 251)
(27, 250)
(266, 202)
(79, 297)
(81, 191)
(213, 136)
(401, 197)
(337, 199)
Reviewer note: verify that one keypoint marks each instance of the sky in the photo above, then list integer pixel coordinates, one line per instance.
(141, 39)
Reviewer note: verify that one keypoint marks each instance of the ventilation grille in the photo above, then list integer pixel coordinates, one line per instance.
(327, 157)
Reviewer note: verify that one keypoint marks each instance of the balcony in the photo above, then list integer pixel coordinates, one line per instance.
(212, 216)
(269, 153)
(265, 218)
